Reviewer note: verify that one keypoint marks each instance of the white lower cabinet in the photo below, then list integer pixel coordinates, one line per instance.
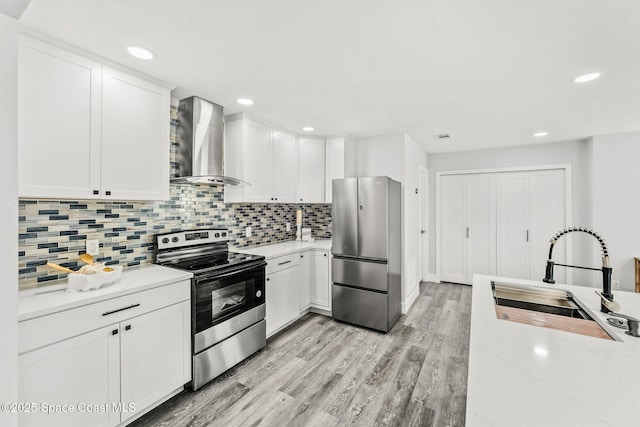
(320, 280)
(110, 375)
(153, 362)
(306, 261)
(297, 283)
(83, 370)
(282, 298)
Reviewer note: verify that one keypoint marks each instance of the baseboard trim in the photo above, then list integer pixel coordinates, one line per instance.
(411, 298)
(433, 278)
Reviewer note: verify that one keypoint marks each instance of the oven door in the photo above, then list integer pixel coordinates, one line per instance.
(221, 296)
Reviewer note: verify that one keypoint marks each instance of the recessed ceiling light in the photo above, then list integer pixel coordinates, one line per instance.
(308, 129)
(140, 52)
(539, 134)
(245, 101)
(586, 77)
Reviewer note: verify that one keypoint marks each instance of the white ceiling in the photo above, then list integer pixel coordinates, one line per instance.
(490, 72)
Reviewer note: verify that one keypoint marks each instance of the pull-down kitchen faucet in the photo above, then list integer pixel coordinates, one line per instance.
(606, 266)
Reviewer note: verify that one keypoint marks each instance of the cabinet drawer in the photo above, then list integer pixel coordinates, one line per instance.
(282, 262)
(45, 330)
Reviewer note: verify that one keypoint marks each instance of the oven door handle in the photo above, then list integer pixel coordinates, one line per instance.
(230, 273)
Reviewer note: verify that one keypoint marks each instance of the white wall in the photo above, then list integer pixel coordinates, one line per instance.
(575, 153)
(616, 201)
(399, 157)
(8, 216)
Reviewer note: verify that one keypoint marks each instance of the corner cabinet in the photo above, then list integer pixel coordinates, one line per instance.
(86, 131)
(315, 286)
(264, 157)
(108, 362)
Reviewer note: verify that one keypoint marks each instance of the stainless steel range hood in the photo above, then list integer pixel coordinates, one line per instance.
(200, 138)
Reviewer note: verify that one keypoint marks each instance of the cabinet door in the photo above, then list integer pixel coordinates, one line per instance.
(311, 169)
(156, 355)
(81, 370)
(285, 167)
(334, 164)
(453, 233)
(282, 298)
(548, 205)
(480, 220)
(320, 281)
(135, 138)
(306, 279)
(512, 224)
(59, 101)
(257, 162)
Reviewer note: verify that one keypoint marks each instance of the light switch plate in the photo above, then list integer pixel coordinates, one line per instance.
(288, 226)
(248, 232)
(93, 247)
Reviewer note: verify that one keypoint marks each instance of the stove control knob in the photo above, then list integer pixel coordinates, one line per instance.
(175, 240)
(217, 235)
(224, 234)
(258, 294)
(165, 240)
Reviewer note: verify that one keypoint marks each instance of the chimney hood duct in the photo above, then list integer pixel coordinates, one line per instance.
(200, 137)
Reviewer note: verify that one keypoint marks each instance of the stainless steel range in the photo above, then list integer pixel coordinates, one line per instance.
(227, 298)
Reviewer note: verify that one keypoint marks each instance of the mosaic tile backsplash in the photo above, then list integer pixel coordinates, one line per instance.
(56, 231)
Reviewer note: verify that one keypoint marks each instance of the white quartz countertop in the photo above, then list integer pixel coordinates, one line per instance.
(51, 299)
(285, 248)
(523, 375)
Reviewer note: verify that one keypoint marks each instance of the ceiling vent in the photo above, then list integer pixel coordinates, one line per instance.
(442, 137)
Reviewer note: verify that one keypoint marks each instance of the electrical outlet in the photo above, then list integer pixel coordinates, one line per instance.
(288, 226)
(93, 247)
(616, 284)
(248, 232)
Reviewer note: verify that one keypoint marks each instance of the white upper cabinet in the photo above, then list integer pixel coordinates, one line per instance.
(334, 164)
(135, 138)
(285, 167)
(59, 100)
(265, 158)
(311, 170)
(86, 131)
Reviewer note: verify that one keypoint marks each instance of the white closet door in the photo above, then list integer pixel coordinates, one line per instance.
(480, 220)
(512, 221)
(547, 217)
(452, 229)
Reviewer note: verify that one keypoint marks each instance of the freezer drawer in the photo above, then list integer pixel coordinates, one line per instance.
(360, 307)
(362, 274)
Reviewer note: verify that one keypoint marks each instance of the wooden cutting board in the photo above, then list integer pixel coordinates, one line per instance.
(553, 321)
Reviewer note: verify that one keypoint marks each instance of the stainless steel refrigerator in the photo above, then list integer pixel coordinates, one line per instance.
(366, 247)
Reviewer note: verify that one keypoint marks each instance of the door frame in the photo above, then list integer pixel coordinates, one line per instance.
(568, 202)
(423, 200)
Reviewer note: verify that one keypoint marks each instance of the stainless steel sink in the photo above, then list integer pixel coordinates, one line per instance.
(550, 301)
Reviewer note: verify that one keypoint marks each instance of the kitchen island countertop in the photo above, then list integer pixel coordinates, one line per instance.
(523, 375)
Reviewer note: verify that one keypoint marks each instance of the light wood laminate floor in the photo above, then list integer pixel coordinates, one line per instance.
(320, 372)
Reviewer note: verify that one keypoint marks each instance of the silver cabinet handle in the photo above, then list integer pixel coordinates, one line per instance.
(467, 232)
(527, 235)
(284, 262)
